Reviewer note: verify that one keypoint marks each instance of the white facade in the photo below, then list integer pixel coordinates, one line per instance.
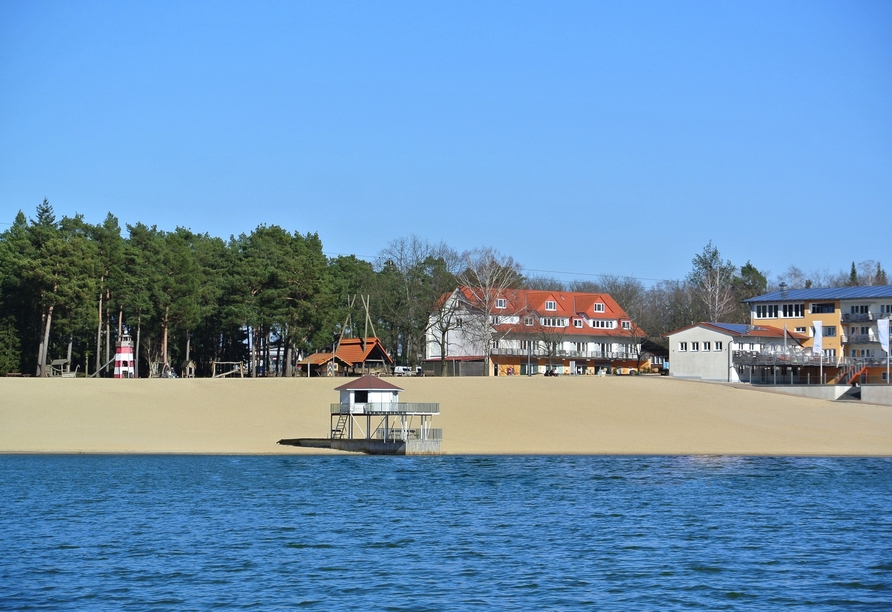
(859, 326)
(357, 400)
(704, 353)
(525, 337)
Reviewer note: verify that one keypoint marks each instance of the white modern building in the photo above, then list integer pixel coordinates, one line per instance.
(723, 351)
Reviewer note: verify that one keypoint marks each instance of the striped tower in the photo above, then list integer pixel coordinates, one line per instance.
(124, 358)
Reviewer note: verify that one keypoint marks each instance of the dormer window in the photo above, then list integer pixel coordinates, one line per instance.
(577, 323)
(549, 305)
(627, 325)
(599, 307)
(528, 320)
(501, 303)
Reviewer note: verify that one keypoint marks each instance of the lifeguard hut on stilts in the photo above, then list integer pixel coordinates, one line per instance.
(370, 419)
(124, 358)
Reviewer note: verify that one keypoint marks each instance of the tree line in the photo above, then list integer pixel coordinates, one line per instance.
(69, 289)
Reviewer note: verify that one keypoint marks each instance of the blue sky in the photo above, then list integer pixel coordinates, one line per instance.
(584, 137)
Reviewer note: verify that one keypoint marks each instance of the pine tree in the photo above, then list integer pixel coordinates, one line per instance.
(881, 275)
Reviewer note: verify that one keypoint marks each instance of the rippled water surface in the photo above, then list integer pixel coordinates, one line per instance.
(444, 533)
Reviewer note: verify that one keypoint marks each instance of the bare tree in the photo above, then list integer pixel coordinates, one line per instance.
(445, 318)
(488, 276)
(415, 273)
(550, 337)
(544, 283)
(712, 279)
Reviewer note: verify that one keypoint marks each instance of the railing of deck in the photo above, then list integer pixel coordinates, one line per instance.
(395, 434)
(563, 353)
(786, 359)
(393, 407)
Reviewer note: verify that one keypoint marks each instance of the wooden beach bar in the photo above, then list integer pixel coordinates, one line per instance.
(369, 418)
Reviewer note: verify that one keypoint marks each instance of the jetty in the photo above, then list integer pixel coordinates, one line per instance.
(369, 418)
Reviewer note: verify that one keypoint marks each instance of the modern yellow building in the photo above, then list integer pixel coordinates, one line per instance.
(849, 324)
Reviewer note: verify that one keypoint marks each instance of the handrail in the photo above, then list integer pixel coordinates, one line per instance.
(396, 434)
(509, 352)
(386, 408)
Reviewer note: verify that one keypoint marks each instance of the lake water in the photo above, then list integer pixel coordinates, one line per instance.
(444, 533)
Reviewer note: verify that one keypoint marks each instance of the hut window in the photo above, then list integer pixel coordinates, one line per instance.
(361, 397)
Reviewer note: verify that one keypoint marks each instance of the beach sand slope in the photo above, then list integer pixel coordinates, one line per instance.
(508, 415)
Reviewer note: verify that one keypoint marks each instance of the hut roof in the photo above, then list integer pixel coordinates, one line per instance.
(351, 350)
(368, 383)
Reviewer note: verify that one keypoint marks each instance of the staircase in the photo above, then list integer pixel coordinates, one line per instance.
(337, 432)
(856, 375)
(849, 372)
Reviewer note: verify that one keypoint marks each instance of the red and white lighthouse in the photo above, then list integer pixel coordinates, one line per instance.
(124, 358)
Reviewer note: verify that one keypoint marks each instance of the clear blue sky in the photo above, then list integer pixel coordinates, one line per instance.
(585, 137)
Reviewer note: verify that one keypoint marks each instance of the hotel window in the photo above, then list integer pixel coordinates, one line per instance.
(682, 346)
(860, 309)
(823, 308)
(580, 347)
(766, 311)
(886, 308)
(799, 330)
(525, 345)
(695, 346)
(554, 322)
(601, 324)
(599, 307)
(706, 346)
(577, 323)
(793, 310)
(627, 325)
(549, 305)
(501, 303)
(830, 331)
(528, 320)
(718, 346)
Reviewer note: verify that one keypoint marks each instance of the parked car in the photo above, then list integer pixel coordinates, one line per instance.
(404, 371)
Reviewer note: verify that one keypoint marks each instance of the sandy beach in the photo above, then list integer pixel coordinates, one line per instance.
(517, 415)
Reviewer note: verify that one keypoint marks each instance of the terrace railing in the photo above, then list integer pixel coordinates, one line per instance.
(395, 434)
(862, 338)
(606, 356)
(386, 408)
(748, 358)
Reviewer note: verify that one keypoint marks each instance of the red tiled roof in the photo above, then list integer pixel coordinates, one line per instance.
(320, 359)
(351, 350)
(368, 383)
(571, 305)
(567, 303)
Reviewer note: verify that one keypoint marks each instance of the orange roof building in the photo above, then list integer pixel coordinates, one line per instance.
(352, 356)
(532, 332)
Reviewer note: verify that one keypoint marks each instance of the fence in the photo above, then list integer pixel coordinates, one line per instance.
(394, 408)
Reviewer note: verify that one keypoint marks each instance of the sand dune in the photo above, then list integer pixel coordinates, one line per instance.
(516, 415)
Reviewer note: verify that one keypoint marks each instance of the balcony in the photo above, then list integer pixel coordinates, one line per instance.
(386, 408)
(397, 434)
(750, 358)
(865, 316)
(539, 353)
(862, 338)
